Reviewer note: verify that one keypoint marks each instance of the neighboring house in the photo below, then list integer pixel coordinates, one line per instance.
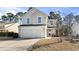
(51, 27)
(74, 24)
(2, 26)
(33, 24)
(12, 27)
(75, 28)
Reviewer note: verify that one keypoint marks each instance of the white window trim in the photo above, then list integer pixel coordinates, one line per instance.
(41, 19)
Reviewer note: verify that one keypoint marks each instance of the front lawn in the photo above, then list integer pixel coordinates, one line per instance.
(60, 46)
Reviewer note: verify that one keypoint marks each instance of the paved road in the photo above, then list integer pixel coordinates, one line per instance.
(17, 45)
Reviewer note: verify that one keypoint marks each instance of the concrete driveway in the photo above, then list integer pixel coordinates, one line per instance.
(17, 44)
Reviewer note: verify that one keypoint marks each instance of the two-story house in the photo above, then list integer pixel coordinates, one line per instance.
(51, 27)
(33, 24)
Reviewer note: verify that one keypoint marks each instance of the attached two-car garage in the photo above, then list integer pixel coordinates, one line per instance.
(32, 31)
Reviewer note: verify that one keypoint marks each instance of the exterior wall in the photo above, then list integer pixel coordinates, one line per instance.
(12, 27)
(51, 22)
(33, 15)
(2, 26)
(32, 31)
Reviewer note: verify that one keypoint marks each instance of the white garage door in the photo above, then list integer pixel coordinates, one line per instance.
(32, 31)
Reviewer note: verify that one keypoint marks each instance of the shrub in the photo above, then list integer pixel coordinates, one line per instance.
(9, 34)
(15, 35)
(2, 33)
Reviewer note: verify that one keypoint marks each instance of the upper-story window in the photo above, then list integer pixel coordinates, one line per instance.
(28, 20)
(39, 19)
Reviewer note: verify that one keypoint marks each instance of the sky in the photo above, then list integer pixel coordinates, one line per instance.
(62, 10)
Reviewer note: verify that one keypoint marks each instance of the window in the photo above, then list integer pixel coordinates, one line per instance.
(51, 22)
(28, 20)
(39, 19)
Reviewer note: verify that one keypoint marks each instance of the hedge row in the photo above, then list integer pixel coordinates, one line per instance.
(9, 34)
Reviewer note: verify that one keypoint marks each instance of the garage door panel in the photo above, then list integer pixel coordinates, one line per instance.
(32, 32)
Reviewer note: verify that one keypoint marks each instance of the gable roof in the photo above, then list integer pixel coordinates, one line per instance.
(31, 9)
